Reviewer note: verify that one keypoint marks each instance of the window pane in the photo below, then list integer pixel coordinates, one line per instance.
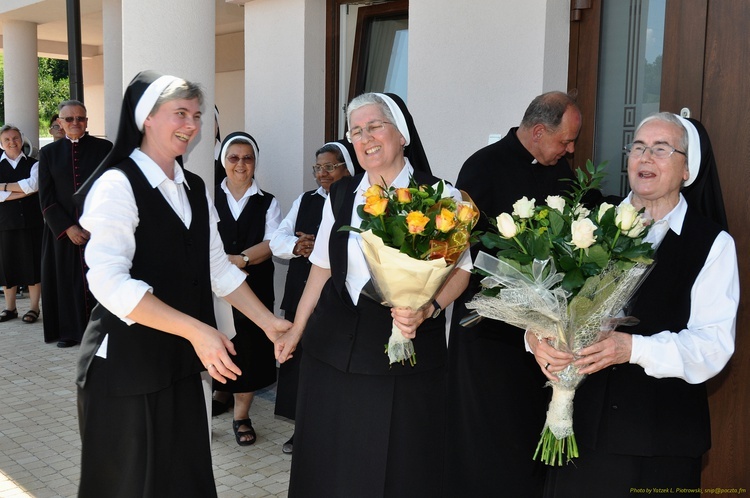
(387, 61)
(629, 80)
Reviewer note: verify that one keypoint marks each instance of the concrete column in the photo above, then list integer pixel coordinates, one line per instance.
(113, 78)
(175, 38)
(285, 91)
(22, 78)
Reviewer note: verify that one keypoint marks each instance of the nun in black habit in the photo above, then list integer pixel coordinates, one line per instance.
(154, 257)
(365, 428)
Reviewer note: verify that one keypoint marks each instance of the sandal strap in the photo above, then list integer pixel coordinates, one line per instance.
(32, 312)
(236, 424)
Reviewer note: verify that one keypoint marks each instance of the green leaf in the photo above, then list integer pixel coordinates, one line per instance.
(597, 255)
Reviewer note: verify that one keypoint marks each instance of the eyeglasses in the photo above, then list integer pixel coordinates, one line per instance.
(657, 151)
(234, 159)
(54, 127)
(328, 167)
(77, 119)
(355, 134)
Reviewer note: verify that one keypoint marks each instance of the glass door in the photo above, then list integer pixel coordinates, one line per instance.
(629, 80)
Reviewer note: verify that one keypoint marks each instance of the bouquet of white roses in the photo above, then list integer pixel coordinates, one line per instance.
(411, 239)
(564, 272)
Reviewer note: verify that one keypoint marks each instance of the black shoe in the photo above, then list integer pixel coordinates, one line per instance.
(287, 447)
(66, 343)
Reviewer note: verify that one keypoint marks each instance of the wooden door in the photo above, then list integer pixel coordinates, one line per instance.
(706, 68)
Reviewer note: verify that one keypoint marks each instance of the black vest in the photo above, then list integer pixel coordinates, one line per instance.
(174, 260)
(20, 213)
(621, 409)
(308, 220)
(246, 231)
(353, 338)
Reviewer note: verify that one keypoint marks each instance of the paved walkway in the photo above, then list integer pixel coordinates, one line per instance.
(39, 442)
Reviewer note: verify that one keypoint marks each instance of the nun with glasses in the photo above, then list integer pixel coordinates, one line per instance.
(154, 256)
(248, 216)
(641, 418)
(363, 427)
(294, 241)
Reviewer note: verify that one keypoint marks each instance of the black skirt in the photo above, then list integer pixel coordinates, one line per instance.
(255, 357)
(367, 435)
(21, 256)
(151, 445)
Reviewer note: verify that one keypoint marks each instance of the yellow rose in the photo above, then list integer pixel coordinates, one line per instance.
(403, 195)
(375, 205)
(466, 213)
(374, 191)
(445, 221)
(416, 221)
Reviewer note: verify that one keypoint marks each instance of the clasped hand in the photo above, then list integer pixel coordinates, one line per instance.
(613, 349)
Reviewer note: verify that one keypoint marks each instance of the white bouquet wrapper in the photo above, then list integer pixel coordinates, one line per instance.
(539, 304)
(402, 281)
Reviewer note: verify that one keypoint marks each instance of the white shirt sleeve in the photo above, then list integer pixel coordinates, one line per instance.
(110, 214)
(700, 351)
(225, 277)
(273, 219)
(319, 254)
(31, 184)
(284, 238)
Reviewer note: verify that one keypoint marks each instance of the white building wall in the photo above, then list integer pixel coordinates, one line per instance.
(94, 94)
(230, 99)
(475, 66)
(284, 91)
(182, 46)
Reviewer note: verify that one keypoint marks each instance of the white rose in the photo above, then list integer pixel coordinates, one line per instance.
(581, 212)
(555, 202)
(603, 208)
(637, 229)
(524, 208)
(626, 217)
(583, 233)
(506, 226)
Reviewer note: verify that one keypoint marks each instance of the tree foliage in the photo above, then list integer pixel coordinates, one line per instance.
(53, 87)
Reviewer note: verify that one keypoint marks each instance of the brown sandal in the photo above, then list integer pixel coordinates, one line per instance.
(31, 316)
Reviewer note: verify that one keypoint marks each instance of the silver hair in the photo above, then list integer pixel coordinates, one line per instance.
(668, 117)
(369, 99)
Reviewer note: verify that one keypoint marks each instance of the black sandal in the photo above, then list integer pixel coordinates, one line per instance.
(6, 315)
(238, 434)
(31, 316)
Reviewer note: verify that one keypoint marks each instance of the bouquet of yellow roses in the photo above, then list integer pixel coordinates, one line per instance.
(564, 272)
(411, 238)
